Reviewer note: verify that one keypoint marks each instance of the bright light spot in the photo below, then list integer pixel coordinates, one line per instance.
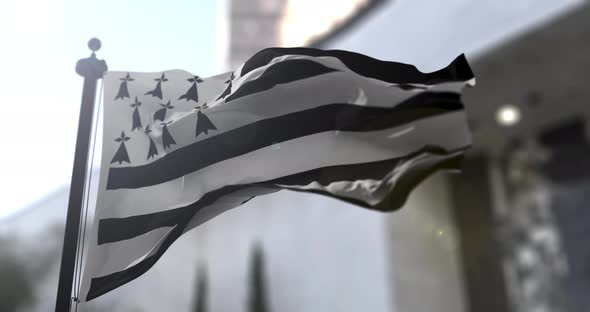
(508, 115)
(300, 24)
(440, 233)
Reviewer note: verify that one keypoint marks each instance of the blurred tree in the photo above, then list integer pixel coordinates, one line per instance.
(257, 299)
(16, 288)
(200, 303)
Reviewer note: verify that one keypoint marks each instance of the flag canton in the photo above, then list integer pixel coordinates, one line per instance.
(141, 107)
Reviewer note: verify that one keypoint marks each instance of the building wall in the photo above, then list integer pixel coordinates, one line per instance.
(320, 255)
(429, 34)
(423, 251)
(253, 26)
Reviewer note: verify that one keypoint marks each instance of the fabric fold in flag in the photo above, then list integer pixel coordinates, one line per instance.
(329, 122)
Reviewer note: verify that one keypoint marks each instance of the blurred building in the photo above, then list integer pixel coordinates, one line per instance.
(253, 25)
(506, 235)
(530, 113)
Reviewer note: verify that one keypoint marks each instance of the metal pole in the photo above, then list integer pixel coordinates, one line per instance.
(91, 69)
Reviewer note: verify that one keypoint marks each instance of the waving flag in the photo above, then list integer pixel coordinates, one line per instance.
(179, 149)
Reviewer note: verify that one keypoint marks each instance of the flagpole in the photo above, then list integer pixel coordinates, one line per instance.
(91, 69)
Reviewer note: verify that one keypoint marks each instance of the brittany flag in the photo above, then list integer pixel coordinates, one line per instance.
(179, 149)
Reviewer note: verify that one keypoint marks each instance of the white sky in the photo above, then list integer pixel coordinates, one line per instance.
(41, 40)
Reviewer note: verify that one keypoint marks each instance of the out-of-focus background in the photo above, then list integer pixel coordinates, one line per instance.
(508, 234)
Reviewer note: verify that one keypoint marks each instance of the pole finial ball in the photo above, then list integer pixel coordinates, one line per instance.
(94, 44)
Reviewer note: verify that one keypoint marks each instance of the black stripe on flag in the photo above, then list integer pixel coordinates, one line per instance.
(392, 72)
(281, 73)
(325, 176)
(251, 137)
(117, 229)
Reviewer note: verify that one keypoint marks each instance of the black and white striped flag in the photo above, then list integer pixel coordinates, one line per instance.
(179, 150)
